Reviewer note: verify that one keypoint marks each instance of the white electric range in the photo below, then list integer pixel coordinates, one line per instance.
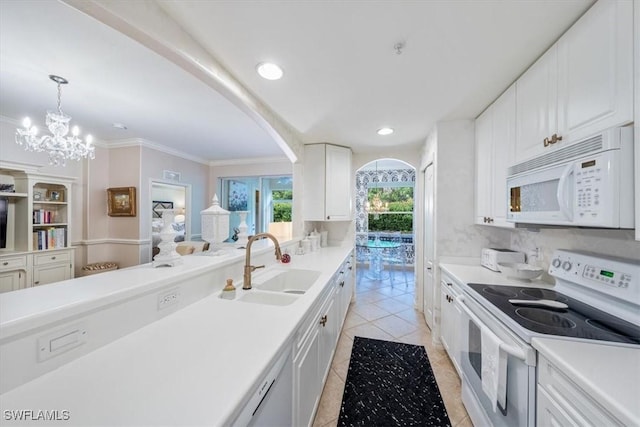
(596, 299)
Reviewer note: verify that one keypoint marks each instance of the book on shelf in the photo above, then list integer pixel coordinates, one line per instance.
(41, 216)
(50, 238)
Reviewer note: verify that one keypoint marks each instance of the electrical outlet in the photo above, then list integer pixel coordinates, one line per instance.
(169, 298)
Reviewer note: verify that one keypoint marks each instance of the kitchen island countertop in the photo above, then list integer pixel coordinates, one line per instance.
(196, 366)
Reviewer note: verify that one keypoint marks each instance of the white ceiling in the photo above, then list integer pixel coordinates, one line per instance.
(343, 79)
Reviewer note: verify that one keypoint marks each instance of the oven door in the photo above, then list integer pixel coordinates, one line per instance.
(520, 393)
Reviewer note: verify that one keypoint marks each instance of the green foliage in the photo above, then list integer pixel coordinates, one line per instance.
(391, 222)
(282, 194)
(281, 212)
(399, 199)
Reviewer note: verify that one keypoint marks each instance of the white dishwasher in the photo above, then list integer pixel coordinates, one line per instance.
(272, 403)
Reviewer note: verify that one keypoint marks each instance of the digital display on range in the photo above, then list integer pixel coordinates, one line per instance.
(606, 273)
(588, 164)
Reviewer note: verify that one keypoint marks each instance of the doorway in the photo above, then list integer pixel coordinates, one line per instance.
(385, 207)
(268, 201)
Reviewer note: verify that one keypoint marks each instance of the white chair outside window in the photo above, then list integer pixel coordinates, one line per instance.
(395, 258)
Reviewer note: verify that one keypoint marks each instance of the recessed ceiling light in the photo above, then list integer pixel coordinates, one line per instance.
(385, 131)
(120, 126)
(269, 71)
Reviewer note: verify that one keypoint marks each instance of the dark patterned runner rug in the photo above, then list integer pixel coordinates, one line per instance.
(390, 384)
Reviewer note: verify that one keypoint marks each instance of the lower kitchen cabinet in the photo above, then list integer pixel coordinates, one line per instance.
(560, 402)
(316, 343)
(450, 315)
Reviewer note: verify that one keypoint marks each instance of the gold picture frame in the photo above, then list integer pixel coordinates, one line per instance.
(122, 201)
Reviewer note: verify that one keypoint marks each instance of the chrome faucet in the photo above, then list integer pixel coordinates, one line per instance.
(248, 268)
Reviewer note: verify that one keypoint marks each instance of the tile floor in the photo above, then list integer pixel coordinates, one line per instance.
(386, 312)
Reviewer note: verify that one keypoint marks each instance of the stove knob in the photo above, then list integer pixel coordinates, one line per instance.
(566, 265)
(556, 263)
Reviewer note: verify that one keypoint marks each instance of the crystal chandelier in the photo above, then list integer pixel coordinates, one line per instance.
(59, 146)
(377, 206)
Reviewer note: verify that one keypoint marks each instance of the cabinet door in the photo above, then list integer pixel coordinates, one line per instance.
(454, 344)
(338, 183)
(51, 273)
(12, 280)
(313, 203)
(503, 153)
(484, 170)
(328, 337)
(595, 59)
(307, 381)
(446, 327)
(548, 414)
(536, 99)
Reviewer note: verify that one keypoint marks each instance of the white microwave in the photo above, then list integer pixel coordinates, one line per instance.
(586, 184)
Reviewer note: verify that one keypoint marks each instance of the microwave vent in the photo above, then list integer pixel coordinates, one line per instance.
(591, 145)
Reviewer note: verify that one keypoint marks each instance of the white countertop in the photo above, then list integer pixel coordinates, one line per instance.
(472, 272)
(193, 367)
(609, 374)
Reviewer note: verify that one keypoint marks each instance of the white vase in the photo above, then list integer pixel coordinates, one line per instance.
(215, 223)
(167, 255)
(243, 237)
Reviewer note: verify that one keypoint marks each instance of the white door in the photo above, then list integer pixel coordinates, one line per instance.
(429, 247)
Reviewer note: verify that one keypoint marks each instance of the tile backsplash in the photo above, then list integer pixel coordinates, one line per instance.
(618, 243)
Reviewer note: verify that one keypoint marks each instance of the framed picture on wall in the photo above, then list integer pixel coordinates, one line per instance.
(238, 196)
(157, 206)
(122, 201)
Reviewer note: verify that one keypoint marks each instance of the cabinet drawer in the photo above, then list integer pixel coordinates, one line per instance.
(51, 258)
(576, 403)
(13, 263)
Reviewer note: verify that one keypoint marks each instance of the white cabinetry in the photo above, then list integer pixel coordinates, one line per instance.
(344, 289)
(536, 99)
(315, 344)
(37, 249)
(450, 316)
(495, 152)
(53, 266)
(582, 85)
(12, 280)
(562, 403)
(327, 183)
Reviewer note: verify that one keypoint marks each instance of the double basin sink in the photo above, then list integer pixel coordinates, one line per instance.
(280, 286)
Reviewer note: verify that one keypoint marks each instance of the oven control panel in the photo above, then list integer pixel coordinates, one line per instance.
(613, 276)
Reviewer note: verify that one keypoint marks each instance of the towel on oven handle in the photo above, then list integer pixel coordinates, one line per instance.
(494, 369)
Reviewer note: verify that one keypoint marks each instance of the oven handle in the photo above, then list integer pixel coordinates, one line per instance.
(514, 351)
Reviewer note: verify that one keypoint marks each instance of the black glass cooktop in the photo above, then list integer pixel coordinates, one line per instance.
(578, 320)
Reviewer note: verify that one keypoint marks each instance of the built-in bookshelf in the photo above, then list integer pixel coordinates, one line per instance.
(49, 216)
(35, 212)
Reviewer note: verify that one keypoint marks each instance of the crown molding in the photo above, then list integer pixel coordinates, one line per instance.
(141, 142)
(248, 161)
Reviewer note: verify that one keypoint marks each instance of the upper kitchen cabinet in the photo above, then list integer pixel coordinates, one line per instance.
(495, 151)
(327, 183)
(581, 85)
(536, 106)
